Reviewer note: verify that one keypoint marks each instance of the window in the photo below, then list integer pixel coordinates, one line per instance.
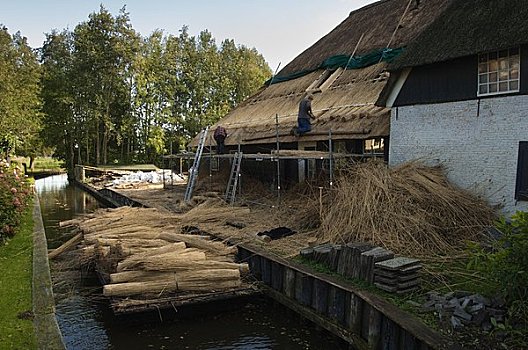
(498, 72)
(521, 187)
(374, 146)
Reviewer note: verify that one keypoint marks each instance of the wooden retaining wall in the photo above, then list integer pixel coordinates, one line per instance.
(106, 200)
(109, 197)
(359, 317)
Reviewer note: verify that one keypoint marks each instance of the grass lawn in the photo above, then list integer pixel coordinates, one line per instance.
(42, 163)
(15, 287)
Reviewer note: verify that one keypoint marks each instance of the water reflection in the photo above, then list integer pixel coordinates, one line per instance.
(86, 321)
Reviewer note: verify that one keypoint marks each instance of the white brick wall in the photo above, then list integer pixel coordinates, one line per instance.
(479, 150)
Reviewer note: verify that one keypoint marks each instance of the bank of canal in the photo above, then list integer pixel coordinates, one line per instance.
(86, 321)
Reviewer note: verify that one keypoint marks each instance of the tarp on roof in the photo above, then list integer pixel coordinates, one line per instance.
(344, 61)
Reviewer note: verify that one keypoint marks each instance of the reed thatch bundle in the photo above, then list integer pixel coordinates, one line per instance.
(133, 260)
(213, 210)
(202, 280)
(143, 235)
(132, 242)
(410, 209)
(217, 248)
(178, 265)
(161, 260)
(127, 216)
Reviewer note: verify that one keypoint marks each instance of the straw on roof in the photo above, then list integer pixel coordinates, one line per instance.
(348, 104)
(468, 27)
(377, 23)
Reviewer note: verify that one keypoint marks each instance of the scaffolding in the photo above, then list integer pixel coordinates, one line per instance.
(176, 161)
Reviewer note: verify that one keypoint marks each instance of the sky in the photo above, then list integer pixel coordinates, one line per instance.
(278, 29)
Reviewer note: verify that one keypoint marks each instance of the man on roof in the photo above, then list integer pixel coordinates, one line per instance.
(305, 114)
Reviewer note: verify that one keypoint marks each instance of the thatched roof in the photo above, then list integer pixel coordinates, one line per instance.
(347, 109)
(348, 105)
(377, 23)
(468, 27)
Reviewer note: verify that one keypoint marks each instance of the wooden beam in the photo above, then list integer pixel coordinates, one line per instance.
(71, 243)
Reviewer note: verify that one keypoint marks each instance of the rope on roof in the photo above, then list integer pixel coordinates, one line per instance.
(344, 61)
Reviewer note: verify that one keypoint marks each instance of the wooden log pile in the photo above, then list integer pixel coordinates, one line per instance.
(140, 251)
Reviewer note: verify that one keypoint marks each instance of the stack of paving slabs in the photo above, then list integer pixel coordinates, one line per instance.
(398, 275)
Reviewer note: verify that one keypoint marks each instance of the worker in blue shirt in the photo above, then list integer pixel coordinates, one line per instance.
(304, 116)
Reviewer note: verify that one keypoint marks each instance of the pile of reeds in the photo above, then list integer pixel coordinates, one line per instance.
(141, 251)
(410, 209)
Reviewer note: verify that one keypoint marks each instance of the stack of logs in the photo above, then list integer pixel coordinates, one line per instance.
(137, 251)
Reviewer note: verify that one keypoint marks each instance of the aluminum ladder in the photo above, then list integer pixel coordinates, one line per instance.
(193, 171)
(230, 193)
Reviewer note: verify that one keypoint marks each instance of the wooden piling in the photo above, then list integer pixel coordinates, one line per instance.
(276, 276)
(289, 282)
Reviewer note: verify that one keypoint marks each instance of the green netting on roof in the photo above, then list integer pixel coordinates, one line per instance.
(344, 61)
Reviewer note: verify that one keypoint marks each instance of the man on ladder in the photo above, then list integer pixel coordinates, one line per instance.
(220, 135)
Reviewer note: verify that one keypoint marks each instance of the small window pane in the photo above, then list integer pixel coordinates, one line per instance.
(483, 67)
(493, 77)
(503, 53)
(493, 66)
(483, 78)
(492, 88)
(514, 74)
(503, 63)
(503, 86)
(492, 55)
(514, 51)
(514, 85)
(503, 75)
(483, 89)
(514, 62)
(483, 58)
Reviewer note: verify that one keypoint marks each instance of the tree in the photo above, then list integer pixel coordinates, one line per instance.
(104, 49)
(19, 93)
(60, 128)
(114, 96)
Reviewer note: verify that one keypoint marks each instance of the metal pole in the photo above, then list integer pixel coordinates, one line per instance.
(210, 167)
(278, 159)
(239, 173)
(331, 156)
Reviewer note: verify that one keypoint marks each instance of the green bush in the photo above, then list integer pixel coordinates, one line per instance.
(15, 192)
(506, 264)
(509, 264)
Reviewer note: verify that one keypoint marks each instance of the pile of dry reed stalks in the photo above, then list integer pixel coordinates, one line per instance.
(410, 209)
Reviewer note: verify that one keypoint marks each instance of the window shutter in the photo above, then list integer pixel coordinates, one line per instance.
(521, 187)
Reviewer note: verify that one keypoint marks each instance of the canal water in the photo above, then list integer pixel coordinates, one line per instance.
(87, 322)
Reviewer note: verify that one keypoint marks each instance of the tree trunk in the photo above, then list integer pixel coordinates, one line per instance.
(98, 143)
(105, 145)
